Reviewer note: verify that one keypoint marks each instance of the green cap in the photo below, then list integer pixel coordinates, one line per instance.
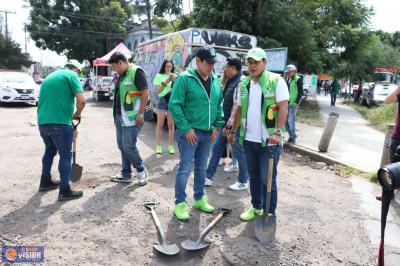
(75, 63)
(257, 54)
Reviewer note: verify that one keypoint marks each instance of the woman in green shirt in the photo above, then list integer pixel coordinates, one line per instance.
(162, 82)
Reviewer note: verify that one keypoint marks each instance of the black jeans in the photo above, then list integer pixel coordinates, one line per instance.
(394, 143)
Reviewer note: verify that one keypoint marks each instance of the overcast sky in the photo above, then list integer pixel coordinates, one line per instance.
(386, 17)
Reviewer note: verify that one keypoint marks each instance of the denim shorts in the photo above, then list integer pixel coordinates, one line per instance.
(162, 105)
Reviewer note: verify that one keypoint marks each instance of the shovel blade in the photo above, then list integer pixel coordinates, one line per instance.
(193, 245)
(171, 249)
(265, 228)
(76, 172)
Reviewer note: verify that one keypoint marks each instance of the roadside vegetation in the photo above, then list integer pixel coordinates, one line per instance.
(309, 114)
(346, 171)
(378, 117)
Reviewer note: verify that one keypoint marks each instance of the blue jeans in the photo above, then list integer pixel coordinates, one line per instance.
(291, 122)
(257, 165)
(333, 97)
(57, 138)
(237, 153)
(126, 140)
(187, 152)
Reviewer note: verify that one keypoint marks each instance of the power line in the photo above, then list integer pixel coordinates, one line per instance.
(7, 12)
(76, 36)
(83, 16)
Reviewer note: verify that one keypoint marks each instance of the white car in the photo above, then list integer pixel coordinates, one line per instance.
(18, 87)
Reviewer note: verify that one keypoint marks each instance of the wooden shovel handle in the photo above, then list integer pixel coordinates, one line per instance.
(270, 171)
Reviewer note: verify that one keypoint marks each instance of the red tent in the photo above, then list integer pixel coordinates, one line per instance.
(119, 48)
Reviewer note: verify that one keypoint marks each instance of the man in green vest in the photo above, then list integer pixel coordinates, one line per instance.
(130, 100)
(261, 115)
(56, 110)
(295, 84)
(196, 107)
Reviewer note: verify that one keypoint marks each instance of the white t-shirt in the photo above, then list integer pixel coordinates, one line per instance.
(254, 130)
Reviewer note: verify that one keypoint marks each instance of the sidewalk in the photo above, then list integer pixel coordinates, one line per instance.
(354, 143)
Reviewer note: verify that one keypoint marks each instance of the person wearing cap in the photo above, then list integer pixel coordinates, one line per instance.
(233, 73)
(56, 110)
(130, 100)
(295, 84)
(196, 107)
(261, 115)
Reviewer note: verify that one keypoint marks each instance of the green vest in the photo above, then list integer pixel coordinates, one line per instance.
(130, 97)
(293, 90)
(269, 112)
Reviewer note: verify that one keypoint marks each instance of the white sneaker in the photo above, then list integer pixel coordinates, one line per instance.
(143, 177)
(239, 186)
(231, 168)
(208, 182)
(221, 161)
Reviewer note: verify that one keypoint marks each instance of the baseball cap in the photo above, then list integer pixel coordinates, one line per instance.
(233, 61)
(291, 68)
(257, 54)
(208, 54)
(75, 63)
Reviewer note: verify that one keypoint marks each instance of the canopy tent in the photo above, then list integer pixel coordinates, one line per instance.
(102, 61)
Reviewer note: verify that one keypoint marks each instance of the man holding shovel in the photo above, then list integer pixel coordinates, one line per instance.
(55, 113)
(262, 112)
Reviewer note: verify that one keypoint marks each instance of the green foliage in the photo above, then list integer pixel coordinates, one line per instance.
(81, 29)
(319, 34)
(378, 117)
(308, 113)
(11, 55)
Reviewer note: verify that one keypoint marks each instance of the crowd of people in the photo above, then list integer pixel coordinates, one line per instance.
(248, 112)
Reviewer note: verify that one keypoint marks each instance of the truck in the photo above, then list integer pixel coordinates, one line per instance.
(384, 81)
(181, 48)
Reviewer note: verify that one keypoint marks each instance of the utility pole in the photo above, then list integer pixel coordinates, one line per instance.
(7, 12)
(149, 18)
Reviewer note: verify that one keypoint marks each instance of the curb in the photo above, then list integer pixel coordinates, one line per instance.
(318, 156)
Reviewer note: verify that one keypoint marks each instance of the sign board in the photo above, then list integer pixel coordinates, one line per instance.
(277, 59)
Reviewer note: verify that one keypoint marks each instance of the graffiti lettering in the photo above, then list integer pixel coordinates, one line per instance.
(226, 39)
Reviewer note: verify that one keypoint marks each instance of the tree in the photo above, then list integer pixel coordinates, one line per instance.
(316, 32)
(11, 55)
(81, 29)
(170, 7)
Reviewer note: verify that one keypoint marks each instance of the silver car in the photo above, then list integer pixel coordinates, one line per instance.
(18, 87)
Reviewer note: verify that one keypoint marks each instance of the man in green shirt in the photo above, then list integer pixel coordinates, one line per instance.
(196, 107)
(335, 89)
(56, 109)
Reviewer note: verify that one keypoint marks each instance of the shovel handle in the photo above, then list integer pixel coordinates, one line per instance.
(150, 206)
(270, 170)
(75, 125)
(223, 212)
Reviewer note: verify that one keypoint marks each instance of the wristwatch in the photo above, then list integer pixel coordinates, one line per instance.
(141, 116)
(278, 132)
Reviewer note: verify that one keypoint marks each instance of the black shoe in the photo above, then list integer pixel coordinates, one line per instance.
(68, 194)
(291, 141)
(48, 185)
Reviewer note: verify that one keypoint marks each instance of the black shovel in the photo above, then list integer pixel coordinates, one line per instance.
(265, 225)
(199, 244)
(167, 249)
(76, 172)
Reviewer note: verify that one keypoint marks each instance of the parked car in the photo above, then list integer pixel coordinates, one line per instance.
(17, 86)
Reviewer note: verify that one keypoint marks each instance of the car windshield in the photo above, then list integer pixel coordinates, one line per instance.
(15, 77)
(107, 80)
(381, 77)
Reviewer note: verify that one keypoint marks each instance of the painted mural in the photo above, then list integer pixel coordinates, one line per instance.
(181, 48)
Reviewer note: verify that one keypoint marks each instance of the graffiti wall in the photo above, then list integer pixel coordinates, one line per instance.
(181, 48)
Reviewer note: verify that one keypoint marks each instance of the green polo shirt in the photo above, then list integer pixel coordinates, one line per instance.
(57, 97)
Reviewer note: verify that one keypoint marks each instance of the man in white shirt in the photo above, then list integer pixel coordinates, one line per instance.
(262, 113)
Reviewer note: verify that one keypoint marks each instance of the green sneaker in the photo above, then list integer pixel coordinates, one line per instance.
(158, 149)
(171, 149)
(250, 214)
(180, 211)
(203, 205)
